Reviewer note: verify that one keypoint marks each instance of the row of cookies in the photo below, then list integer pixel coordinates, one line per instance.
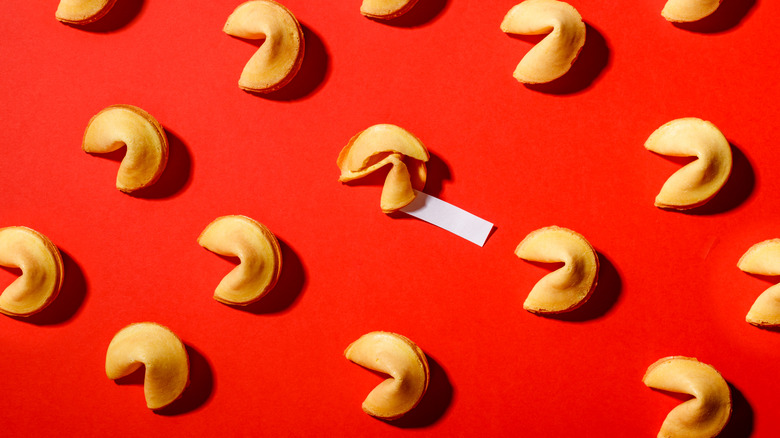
(278, 60)
(372, 149)
(166, 376)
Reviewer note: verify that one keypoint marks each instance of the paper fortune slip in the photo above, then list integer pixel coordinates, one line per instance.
(449, 217)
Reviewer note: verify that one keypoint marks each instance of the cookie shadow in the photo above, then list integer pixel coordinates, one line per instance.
(729, 15)
(199, 390)
(438, 172)
(314, 71)
(176, 176)
(120, 15)
(593, 59)
(288, 289)
(422, 13)
(434, 404)
(768, 328)
(741, 423)
(70, 299)
(604, 297)
(737, 189)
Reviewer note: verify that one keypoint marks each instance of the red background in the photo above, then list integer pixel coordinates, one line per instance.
(569, 153)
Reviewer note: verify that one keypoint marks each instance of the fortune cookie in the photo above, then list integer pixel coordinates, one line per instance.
(42, 271)
(147, 145)
(704, 415)
(569, 286)
(280, 55)
(160, 351)
(403, 361)
(764, 259)
(552, 57)
(698, 181)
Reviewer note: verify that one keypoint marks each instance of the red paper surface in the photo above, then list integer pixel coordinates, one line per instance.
(569, 154)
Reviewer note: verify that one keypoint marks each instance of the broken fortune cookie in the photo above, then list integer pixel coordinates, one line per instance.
(382, 145)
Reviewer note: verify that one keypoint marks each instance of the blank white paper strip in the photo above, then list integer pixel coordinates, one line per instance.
(453, 219)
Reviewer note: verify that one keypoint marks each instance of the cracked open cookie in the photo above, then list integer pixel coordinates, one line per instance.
(382, 145)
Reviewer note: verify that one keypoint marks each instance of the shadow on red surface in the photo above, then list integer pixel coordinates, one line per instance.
(735, 192)
(424, 12)
(312, 75)
(121, 14)
(740, 424)
(68, 301)
(195, 395)
(177, 174)
(592, 60)
(435, 402)
(199, 390)
(288, 289)
(438, 172)
(729, 15)
(603, 299)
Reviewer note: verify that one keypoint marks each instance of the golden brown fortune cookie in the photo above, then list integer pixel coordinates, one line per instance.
(259, 254)
(683, 11)
(700, 180)
(279, 57)
(386, 9)
(82, 11)
(569, 286)
(160, 351)
(763, 258)
(553, 56)
(704, 415)
(401, 359)
(42, 271)
(147, 146)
